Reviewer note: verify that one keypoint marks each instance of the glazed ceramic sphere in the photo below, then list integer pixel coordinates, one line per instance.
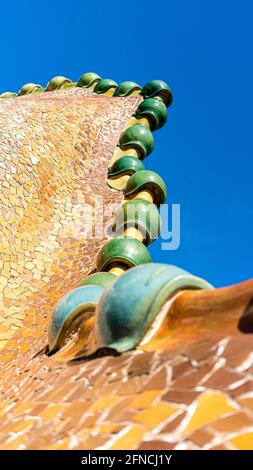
(126, 89)
(154, 111)
(104, 85)
(122, 251)
(76, 302)
(56, 83)
(126, 165)
(8, 94)
(146, 180)
(88, 79)
(98, 279)
(128, 308)
(29, 88)
(140, 214)
(137, 136)
(158, 88)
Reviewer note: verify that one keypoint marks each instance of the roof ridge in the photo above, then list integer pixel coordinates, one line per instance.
(90, 80)
(143, 190)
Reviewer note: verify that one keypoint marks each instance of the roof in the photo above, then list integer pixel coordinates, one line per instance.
(186, 381)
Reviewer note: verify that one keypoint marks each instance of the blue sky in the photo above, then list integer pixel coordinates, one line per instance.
(205, 152)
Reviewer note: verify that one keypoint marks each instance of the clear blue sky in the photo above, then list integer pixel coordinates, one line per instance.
(205, 152)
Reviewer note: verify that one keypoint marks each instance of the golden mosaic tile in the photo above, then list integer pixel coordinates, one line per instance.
(208, 407)
(243, 441)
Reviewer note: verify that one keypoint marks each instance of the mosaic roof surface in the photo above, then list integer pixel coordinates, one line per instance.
(190, 391)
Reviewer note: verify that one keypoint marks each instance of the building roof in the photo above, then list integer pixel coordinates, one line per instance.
(187, 382)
